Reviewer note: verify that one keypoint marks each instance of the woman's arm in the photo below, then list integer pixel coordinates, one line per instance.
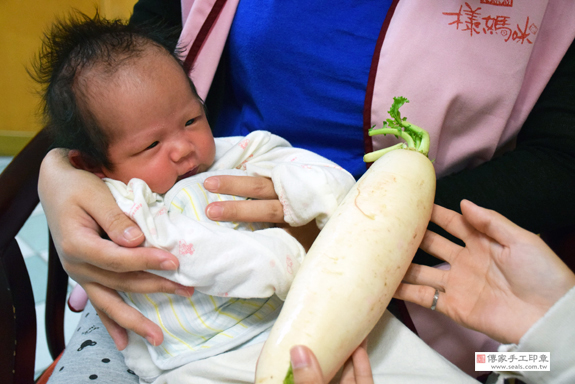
(79, 209)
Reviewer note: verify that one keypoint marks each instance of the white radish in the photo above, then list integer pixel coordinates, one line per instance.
(358, 260)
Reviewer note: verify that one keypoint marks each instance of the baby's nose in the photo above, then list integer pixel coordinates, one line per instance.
(182, 149)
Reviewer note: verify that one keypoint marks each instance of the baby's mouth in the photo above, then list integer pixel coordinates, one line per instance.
(188, 174)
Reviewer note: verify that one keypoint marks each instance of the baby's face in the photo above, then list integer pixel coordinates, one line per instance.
(158, 130)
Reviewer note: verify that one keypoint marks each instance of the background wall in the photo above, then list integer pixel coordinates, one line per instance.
(22, 23)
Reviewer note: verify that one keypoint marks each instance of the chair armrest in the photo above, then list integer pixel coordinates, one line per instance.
(18, 199)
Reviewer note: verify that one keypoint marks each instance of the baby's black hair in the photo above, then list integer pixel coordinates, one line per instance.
(81, 42)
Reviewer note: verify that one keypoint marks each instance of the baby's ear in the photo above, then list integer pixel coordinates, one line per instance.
(85, 162)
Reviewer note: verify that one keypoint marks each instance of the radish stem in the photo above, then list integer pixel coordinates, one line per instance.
(397, 133)
(372, 156)
(415, 138)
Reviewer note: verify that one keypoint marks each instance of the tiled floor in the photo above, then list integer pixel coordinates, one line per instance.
(33, 242)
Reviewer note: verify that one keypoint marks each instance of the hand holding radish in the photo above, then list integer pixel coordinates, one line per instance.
(500, 283)
(306, 369)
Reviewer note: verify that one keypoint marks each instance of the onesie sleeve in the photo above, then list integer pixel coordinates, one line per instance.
(215, 260)
(308, 186)
(310, 190)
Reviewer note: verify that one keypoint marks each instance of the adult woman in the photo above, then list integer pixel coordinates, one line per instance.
(519, 184)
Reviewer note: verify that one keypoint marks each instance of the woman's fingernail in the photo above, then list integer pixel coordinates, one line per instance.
(214, 212)
(299, 357)
(152, 341)
(132, 233)
(185, 291)
(212, 183)
(168, 265)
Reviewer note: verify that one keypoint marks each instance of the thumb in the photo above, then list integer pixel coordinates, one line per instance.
(119, 227)
(306, 369)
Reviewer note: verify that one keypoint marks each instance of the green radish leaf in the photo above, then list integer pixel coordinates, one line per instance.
(394, 110)
(415, 137)
(289, 376)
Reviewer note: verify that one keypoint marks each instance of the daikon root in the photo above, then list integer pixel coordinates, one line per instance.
(358, 260)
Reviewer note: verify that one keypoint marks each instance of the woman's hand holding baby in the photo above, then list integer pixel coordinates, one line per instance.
(265, 206)
(77, 216)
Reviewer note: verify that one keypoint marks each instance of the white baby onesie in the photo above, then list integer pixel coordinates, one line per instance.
(241, 271)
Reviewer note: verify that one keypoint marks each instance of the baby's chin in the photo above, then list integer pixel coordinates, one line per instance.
(164, 188)
(161, 188)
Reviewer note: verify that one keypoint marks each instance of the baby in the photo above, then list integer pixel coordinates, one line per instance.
(119, 99)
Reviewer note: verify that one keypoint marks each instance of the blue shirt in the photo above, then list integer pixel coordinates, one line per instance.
(299, 69)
